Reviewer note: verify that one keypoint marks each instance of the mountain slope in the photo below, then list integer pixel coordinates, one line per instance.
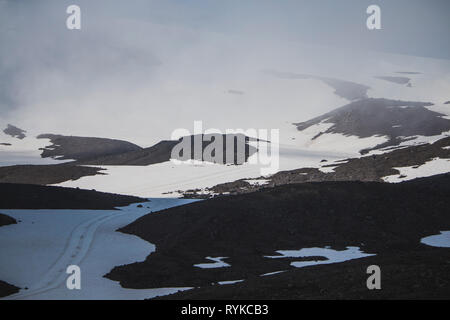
(343, 88)
(45, 174)
(377, 167)
(162, 152)
(382, 219)
(83, 148)
(396, 120)
(24, 196)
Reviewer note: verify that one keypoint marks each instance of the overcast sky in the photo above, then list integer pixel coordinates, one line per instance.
(127, 48)
(416, 27)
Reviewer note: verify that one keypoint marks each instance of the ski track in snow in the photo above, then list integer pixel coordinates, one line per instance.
(83, 245)
(165, 179)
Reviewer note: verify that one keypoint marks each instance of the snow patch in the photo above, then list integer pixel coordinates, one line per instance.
(417, 140)
(439, 240)
(338, 142)
(442, 108)
(229, 282)
(327, 169)
(36, 252)
(168, 179)
(429, 168)
(272, 273)
(333, 256)
(218, 263)
(258, 182)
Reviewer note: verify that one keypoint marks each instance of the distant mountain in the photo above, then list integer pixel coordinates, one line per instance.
(397, 80)
(14, 132)
(83, 148)
(158, 153)
(162, 152)
(101, 151)
(397, 120)
(343, 88)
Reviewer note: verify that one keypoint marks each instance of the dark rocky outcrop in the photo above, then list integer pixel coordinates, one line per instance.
(398, 120)
(83, 148)
(6, 220)
(24, 196)
(45, 174)
(14, 132)
(99, 151)
(346, 89)
(7, 289)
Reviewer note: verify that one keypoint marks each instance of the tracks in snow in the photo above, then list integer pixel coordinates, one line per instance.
(76, 249)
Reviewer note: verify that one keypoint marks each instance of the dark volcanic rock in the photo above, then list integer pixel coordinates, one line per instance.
(99, 151)
(239, 150)
(14, 132)
(392, 118)
(345, 89)
(405, 275)
(23, 196)
(386, 219)
(158, 153)
(369, 168)
(45, 174)
(83, 148)
(162, 152)
(6, 220)
(7, 289)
